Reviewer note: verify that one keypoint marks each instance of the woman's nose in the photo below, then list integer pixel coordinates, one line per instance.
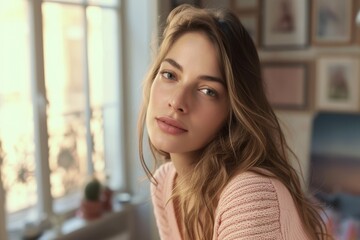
(178, 101)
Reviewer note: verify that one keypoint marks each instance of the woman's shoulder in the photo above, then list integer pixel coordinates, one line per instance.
(248, 209)
(256, 177)
(257, 184)
(258, 202)
(249, 186)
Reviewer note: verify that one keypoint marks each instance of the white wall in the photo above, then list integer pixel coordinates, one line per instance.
(140, 25)
(297, 127)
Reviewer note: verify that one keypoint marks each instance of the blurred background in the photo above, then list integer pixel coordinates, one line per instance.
(70, 91)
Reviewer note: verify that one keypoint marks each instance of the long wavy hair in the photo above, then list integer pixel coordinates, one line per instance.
(251, 137)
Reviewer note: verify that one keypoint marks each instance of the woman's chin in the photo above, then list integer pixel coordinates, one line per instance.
(164, 148)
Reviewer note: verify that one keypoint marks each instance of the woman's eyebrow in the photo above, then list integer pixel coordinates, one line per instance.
(212, 79)
(175, 64)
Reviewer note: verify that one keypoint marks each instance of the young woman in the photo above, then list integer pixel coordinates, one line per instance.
(225, 171)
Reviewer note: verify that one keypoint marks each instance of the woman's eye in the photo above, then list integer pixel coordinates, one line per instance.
(209, 92)
(168, 75)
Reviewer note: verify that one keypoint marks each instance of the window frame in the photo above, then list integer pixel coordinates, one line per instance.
(45, 204)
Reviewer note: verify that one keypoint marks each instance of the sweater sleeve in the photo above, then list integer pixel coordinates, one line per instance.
(248, 209)
(158, 196)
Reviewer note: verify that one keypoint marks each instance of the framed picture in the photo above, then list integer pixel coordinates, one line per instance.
(337, 86)
(285, 24)
(286, 84)
(244, 5)
(175, 3)
(332, 22)
(251, 24)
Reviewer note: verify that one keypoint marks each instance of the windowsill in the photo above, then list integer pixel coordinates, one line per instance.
(117, 224)
(65, 207)
(110, 224)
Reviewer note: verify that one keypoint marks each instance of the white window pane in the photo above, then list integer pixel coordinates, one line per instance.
(66, 1)
(103, 48)
(16, 121)
(110, 3)
(107, 3)
(64, 77)
(97, 132)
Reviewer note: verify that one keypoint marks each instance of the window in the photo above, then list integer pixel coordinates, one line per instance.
(60, 103)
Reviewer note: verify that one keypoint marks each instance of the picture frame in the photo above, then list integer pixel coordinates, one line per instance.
(286, 84)
(251, 24)
(337, 86)
(244, 5)
(332, 22)
(285, 24)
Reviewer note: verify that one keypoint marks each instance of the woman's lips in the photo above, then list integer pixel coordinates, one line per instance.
(170, 125)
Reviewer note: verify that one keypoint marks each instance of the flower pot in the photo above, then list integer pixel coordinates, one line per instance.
(91, 210)
(106, 199)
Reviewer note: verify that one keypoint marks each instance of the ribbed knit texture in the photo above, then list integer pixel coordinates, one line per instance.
(251, 207)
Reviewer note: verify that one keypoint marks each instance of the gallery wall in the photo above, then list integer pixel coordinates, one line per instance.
(310, 56)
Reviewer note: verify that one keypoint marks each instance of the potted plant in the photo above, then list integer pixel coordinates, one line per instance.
(92, 206)
(106, 196)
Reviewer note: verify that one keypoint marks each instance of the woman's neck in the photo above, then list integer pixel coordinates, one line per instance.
(184, 163)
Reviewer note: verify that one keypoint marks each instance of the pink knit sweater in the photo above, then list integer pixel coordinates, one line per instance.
(250, 207)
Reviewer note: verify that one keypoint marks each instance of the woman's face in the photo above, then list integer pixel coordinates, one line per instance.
(188, 99)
